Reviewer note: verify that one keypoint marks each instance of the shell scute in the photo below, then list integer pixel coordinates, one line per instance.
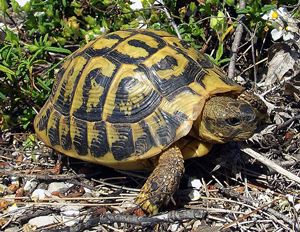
(170, 70)
(143, 138)
(53, 128)
(92, 89)
(79, 135)
(123, 145)
(64, 131)
(137, 48)
(98, 139)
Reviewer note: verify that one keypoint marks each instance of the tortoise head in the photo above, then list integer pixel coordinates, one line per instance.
(227, 119)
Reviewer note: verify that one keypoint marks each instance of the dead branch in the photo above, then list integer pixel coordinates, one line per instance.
(35, 213)
(271, 164)
(135, 220)
(236, 43)
(288, 122)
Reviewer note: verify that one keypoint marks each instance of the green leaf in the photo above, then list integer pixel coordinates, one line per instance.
(43, 85)
(3, 5)
(32, 47)
(64, 3)
(2, 96)
(213, 22)
(219, 52)
(267, 8)
(6, 70)
(193, 7)
(225, 60)
(230, 2)
(58, 50)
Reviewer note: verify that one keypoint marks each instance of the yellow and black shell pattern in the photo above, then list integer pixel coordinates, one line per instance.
(127, 96)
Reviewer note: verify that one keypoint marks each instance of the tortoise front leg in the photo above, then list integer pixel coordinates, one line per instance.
(163, 181)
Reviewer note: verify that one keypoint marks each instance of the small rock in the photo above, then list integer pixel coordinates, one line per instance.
(297, 207)
(70, 217)
(195, 183)
(71, 208)
(87, 190)
(15, 154)
(290, 198)
(174, 227)
(194, 195)
(30, 185)
(40, 194)
(197, 224)
(43, 221)
(2, 188)
(58, 186)
(42, 186)
(127, 204)
(12, 229)
(12, 208)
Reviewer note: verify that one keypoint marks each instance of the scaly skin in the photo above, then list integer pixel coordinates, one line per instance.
(163, 181)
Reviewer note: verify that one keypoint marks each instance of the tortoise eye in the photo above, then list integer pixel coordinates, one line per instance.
(233, 121)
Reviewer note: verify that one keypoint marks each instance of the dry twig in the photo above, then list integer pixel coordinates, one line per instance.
(271, 164)
(135, 220)
(236, 43)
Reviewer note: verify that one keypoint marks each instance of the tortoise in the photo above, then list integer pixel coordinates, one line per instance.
(144, 99)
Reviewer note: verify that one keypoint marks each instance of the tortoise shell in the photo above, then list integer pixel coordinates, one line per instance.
(126, 96)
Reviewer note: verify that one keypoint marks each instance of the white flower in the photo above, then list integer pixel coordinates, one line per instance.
(275, 14)
(285, 26)
(278, 33)
(22, 2)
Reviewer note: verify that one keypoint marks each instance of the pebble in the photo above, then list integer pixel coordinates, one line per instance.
(196, 224)
(43, 221)
(70, 217)
(12, 229)
(297, 207)
(30, 185)
(12, 208)
(2, 188)
(40, 194)
(58, 186)
(174, 227)
(194, 195)
(195, 183)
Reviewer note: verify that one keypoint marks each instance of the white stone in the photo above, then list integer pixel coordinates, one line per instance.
(12, 208)
(70, 217)
(43, 221)
(58, 186)
(194, 195)
(174, 227)
(30, 185)
(290, 198)
(195, 183)
(40, 194)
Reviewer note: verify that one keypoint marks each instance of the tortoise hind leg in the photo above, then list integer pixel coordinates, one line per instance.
(163, 181)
